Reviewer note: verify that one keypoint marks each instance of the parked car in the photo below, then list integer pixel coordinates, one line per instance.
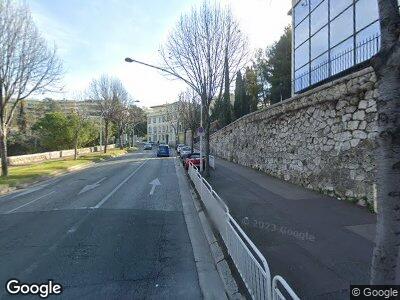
(185, 151)
(194, 158)
(178, 147)
(163, 151)
(148, 146)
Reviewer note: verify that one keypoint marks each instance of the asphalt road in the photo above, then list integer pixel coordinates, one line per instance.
(101, 234)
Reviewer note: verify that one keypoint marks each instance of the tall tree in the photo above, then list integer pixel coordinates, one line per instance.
(240, 106)
(385, 263)
(252, 88)
(189, 110)
(193, 54)
(227, 107)
(27, 65)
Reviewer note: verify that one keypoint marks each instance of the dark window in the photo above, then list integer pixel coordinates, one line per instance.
(337, 6)
(319, 42)
(319, 17)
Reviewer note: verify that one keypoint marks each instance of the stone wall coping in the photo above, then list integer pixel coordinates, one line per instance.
(294, 102)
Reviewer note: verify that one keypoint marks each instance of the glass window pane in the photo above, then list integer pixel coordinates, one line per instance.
(314, 3)
(301, 33)
(342, 27)
(301, 10)
(368, 42)
(302, 79)
(337, 6)
(319, 69)
(301, 55)
(319, 42)
(366, 13)
(319, 17)
(342, 56)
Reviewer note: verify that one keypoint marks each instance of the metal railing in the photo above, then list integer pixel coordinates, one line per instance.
(249, 261)
(338, 63)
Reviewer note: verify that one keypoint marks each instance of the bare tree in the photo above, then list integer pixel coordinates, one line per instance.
(27, 65)
(189, 111)
(385, 264)
(195, 52)
(112, 97)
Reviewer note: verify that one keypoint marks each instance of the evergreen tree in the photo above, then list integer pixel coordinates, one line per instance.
(22, 122)
(240, 96)
(226, 106)
(253, 88)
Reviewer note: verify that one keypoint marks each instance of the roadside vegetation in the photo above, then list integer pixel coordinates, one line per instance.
(19, 175)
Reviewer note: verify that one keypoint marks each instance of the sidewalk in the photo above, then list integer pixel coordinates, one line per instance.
(319, 244)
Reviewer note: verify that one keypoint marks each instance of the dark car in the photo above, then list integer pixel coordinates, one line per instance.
(163, 151)
(147, 146)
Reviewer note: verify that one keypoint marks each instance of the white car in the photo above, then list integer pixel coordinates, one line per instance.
(185, 151)
(178, 148)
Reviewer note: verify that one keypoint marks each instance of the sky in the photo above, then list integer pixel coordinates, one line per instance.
(94, 36)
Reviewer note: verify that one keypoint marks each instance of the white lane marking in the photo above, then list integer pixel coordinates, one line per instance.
(34, 200)
(91, 186)
(118, 186)
(154, 184)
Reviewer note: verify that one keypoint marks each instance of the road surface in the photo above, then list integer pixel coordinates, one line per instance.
(104, 232)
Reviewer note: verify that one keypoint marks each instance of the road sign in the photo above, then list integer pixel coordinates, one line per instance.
(200, 131)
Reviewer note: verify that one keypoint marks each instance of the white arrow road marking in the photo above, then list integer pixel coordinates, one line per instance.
(34, 200)
(91, 186)
(154, 184)
(118, 186)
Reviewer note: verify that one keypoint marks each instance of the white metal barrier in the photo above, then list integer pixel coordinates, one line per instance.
(250, 263)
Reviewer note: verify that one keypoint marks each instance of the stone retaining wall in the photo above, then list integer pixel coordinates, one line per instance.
(38, 157)
(322, 139)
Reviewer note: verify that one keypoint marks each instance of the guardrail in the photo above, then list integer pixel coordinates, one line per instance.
(250, 263)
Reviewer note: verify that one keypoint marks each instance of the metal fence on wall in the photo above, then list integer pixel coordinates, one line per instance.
(338, 63)
(250, 263)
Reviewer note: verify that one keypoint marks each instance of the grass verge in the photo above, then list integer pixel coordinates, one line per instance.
(19, 175)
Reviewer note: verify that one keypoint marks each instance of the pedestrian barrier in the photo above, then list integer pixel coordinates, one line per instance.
(250, 263)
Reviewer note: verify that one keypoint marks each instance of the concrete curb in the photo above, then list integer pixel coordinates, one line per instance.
(220, 260)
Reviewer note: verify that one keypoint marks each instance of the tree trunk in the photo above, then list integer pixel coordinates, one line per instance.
(385, 262)
(106, 123)
(76, 148)
(121, 144)
(206, 117)
(192, 139)
(3, 151)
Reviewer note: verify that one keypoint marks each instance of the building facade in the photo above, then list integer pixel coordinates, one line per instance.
(331, 37)
(163, 124)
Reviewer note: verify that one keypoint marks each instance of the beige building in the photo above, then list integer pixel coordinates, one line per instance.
(163, 124)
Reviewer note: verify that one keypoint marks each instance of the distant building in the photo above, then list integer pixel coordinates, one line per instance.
(331, 38)
(163, 124)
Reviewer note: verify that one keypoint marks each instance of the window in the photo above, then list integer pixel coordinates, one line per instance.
(338, 6)
(366, 13)
(342, 56)
(301, 11)
(302, 32)
(319, 17)
(368, 36)
(319, 43)
(302, 55)
(342, 27)
(331, 36)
